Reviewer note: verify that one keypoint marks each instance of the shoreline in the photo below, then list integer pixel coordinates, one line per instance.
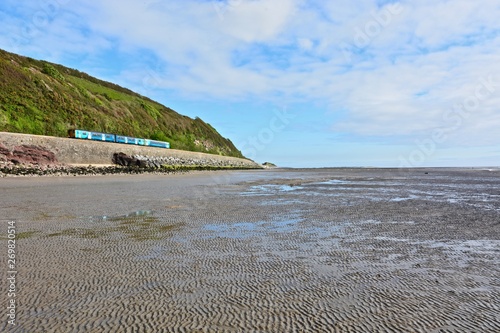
(11, 170)
(35, 155)
(14, 171)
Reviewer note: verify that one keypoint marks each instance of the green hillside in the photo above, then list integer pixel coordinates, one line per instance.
(38, 97)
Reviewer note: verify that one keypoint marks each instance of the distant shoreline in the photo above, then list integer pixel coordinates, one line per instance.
(486, 168)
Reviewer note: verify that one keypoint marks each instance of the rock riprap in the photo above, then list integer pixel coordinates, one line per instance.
(158, 162)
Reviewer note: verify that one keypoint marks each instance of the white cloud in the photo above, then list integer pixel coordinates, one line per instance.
(305, 44)
(255, 21)
(392, 68)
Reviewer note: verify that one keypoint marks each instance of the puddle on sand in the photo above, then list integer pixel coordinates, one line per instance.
(480, 246)
(140, 226)
(270, 189)
(266, 228)
(250, 229)
(333, 182)
(411, 197)
(236, 230)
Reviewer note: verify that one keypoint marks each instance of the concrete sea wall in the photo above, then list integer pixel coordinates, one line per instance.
(74, 151)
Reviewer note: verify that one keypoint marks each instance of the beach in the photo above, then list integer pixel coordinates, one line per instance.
(281, 250)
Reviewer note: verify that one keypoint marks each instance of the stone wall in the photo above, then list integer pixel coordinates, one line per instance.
(75, 151)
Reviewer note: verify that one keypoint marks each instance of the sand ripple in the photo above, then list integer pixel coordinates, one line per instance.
(282, 251)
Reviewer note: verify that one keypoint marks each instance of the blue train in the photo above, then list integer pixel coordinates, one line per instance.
(97, 136)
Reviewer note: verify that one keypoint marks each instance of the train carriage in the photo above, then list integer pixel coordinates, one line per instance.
(102, 136)
(158, 144)
(130, 140)
(126, 139)
(78, 134)
(98, 136)
(89, 135)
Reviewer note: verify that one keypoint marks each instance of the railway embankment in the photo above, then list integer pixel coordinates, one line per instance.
(24, 153)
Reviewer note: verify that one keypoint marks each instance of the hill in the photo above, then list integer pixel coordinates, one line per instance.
(39, 97)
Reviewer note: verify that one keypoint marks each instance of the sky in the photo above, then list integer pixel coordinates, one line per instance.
(295, 82)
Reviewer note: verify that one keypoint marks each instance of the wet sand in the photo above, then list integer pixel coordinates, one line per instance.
(330, 250)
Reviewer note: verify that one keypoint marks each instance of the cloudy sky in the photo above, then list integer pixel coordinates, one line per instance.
(302, 83)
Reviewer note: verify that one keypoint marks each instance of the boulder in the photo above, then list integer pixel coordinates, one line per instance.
(4, 150)
(126, 160)
(28, 154)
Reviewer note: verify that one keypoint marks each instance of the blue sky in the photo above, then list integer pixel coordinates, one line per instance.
(296, 82)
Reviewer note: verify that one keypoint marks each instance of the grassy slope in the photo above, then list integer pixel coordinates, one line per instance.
(37, 97)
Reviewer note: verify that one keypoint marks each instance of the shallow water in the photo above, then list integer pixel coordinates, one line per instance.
(330, 250)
